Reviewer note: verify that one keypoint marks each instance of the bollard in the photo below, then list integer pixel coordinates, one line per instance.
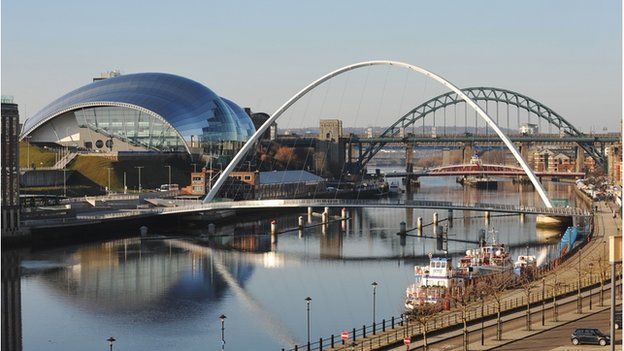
(435, 219)
(364, 331)
(343, 213)
(353, 334)
(296, 347)
(325, 217)
(300, 222)
(326, 210)
(273, 227)
(419, 225)
(332, 341)
(450, 218)
(403, 229)
(392, 322)
(383, 325)
(309, 214)
(321, 344)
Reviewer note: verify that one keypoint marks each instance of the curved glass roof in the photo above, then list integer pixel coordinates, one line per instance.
(190, 107)
(244, 124)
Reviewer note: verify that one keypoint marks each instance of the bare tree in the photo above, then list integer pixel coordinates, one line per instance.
(527, 283)
(495, 286)
(463, 297)
(423, 314)
(555, 285)
(603, 268)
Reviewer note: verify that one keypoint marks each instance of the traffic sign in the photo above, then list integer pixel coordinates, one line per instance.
(407, 340)
(344, 335)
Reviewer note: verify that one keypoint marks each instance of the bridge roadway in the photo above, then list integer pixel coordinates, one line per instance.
(180, 207)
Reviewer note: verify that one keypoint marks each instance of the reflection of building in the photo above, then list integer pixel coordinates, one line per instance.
(10, 168)
(330, 129)
(142, 112)
(11, 302)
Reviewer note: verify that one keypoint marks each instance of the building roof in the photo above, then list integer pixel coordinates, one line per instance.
(188, 106)
(288, 177)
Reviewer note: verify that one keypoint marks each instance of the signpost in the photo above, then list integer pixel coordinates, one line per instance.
(344, 336)
(407, 341)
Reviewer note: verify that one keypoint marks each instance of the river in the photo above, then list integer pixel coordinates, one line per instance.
(164, 294)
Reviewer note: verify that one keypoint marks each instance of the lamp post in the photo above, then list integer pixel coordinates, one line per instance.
(111, 340)
(64, 182)
(222, 318)
(308, 300)
(579, 302)
(139, 168)
(543, 301)
(591, 273)
(482, 319)
(374, 285)
(169, 167)
(109, 183)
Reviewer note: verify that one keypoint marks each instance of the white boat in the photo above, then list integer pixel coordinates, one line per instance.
(523, 262)
(432, 283)
(491, 257)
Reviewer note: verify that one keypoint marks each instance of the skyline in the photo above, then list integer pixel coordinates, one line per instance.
(267, 52)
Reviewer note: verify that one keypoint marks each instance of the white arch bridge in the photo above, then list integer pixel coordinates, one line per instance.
(459, 93)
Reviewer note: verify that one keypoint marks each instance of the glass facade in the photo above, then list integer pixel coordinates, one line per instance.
(131, 126)
(141, 103)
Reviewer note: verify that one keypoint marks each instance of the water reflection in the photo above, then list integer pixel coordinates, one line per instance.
(132, 275)
(11, 301)
(164, 293)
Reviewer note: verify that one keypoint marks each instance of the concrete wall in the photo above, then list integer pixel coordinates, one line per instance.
(43, 178)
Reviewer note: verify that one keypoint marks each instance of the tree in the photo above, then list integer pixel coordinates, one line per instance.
(603, 268)
(462, 297)
(495, 286)
(423, 314)
(527, 283)
(554, 286)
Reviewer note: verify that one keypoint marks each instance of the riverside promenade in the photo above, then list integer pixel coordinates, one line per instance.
(445, 330)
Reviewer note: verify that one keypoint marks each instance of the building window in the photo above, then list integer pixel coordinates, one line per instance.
(88, 145)
(247, 177)
(99, 144)
(109, 143)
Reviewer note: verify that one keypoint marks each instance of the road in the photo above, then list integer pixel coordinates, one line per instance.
(560, 335)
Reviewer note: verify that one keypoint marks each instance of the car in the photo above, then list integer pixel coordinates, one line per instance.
(589, 336)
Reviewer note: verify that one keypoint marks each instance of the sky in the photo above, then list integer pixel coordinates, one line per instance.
(564, 53)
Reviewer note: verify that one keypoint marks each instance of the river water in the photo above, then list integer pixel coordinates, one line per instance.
(164, 294)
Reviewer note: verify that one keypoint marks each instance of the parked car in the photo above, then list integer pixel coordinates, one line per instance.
(589, 336)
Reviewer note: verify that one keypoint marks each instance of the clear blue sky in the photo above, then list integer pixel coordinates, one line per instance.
(566, 54)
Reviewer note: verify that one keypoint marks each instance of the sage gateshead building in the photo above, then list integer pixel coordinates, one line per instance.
(144, 112)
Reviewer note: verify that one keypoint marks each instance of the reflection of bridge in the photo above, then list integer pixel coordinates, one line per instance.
(482, 169)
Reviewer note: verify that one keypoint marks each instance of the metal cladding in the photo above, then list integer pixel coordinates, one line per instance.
(188, 106)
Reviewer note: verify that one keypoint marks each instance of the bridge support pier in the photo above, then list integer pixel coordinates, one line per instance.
(419, 225)
(450, 218)
(325, 216)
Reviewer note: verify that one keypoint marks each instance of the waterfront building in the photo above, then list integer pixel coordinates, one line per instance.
(144, 112)
(10, 168)
(560, 163)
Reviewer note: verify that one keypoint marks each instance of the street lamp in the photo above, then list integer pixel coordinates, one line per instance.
(543, 300)
(222, 318)
(579, 301)
(482, 318)
(374, 285)
(168, 166)
(109, 183)
(139, 168)
(308, 300)
(28, 137)
(111, 340)
(591, 273)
